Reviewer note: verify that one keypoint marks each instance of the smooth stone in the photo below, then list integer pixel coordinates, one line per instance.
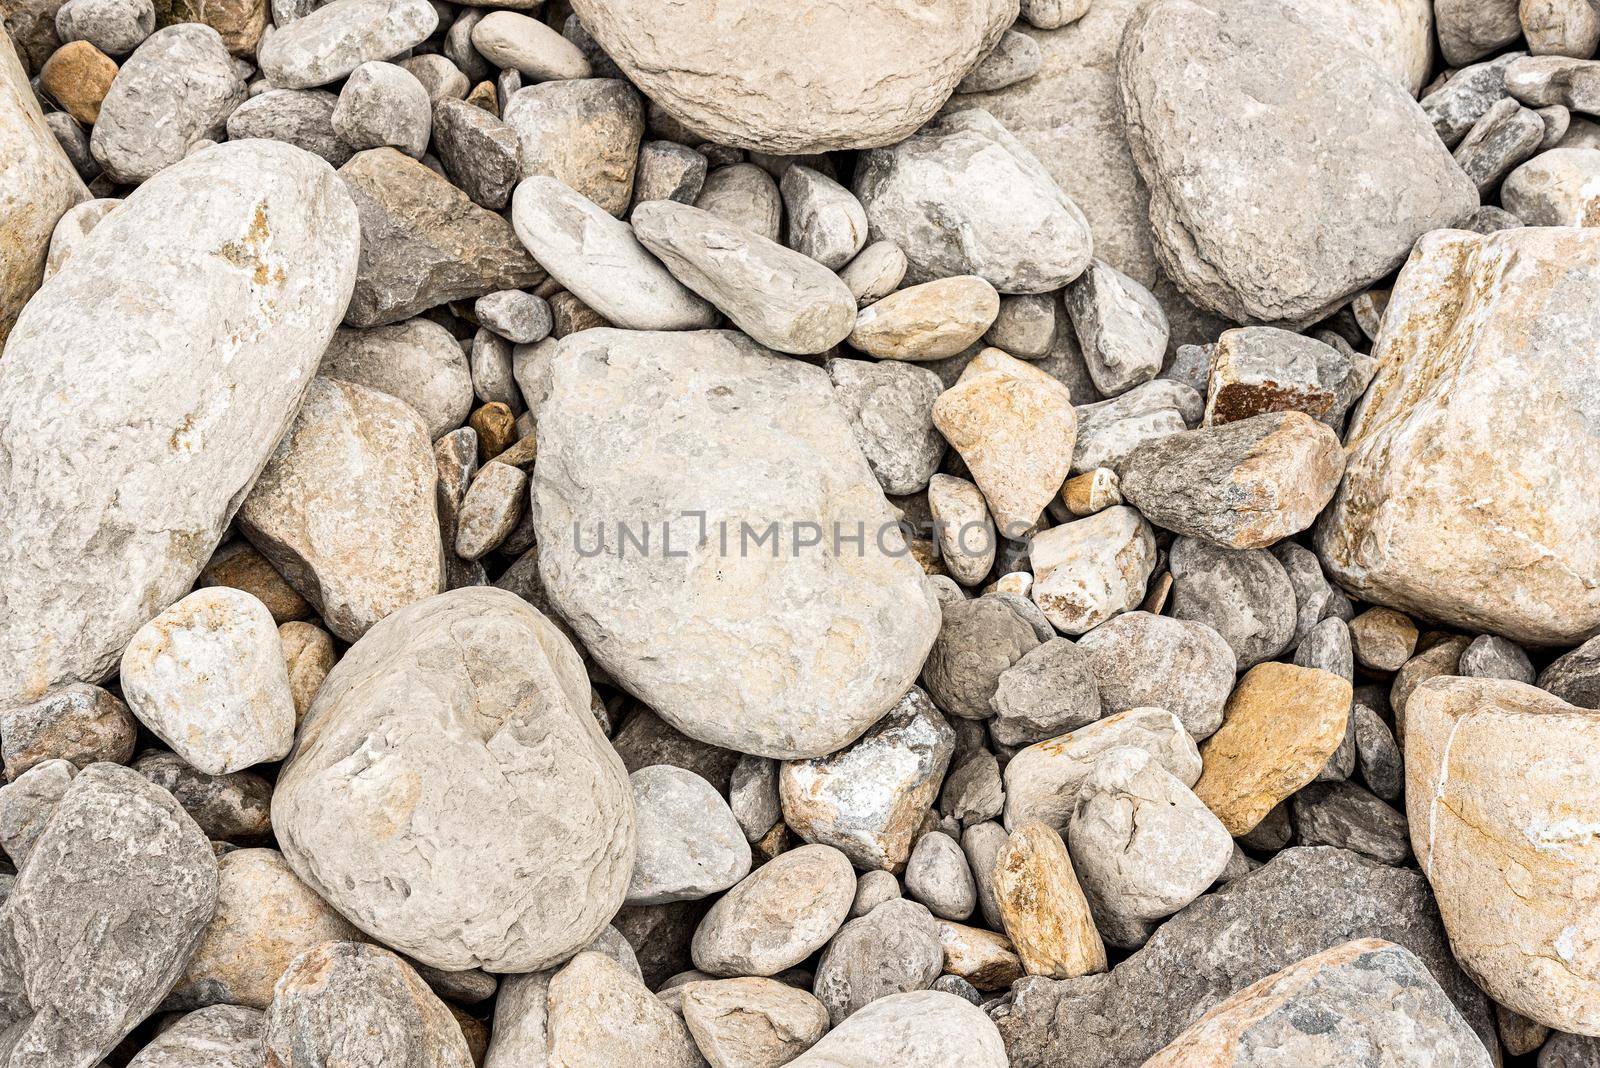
(345, 507)
(1559, 27)
(1142, 660)
(236, 807)
(222, 1036)
(1540, 81)
(893, 949)
(1242, 594)
(1555, 188)
(652, 393)
(927, 322)
(805, 80)
(744, 195)
(1026, 325)
(469, 766)
(752, 1023)
(300, 117)
(1089, 570)
(1043, 907)
(583, 132)
(1396, 34)
(1377, 754)
(778, 915)
(963, 196)
(383, 105)
(331, 41)
(937, 875)
(77, 722)
(215, 328)
(77, 223)
(511, 40)
(1050, 691)
(1471, 304)
(689, 845)
(417, 361)
(964, 531)
(600, 1015)
(877, 271)
(868, 799)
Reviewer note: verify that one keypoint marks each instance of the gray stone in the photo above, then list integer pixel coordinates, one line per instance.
(1492, 657)
(26, 805)
(892, 949)
(937, 875)
(973, 791)
(300, 117)
(1566, 1050)
(416, 360)
(1554, 188)
(696, 637)
(349, 1002)
(115, 27)
(1469, 29)
(778, 915)
(100, 922)
(77, 722)
(963, 196)
(516, 316)
(221, 1036)
(689, 844)
(1343, 814)
(98, 548)
(493, 373)
(383, 105)
(534, 779)
(782, 299)
(1301, 902)
(1110, 430)
(490, 509)
(1312, 593)
(511, 40)
(480, 153)
(889, 406)
(647, 739)
(1377, 754)
(1051, 691)
(1574, 676)
(336, 38)
(345, 508)
(753, 796)
(1259, 369)
(1242, 594)
(925, 1027)
(978, 641)
(802, 81)
(962, 528)
(744, 195)
(667, 170)
(1322, 216)
(876, 272)
(1121, 328)
(1026, 325)
(868, 799)
(1560, 27)
(826, 221)
(1503, 137)
(584, 133)
(1142, 660)
(1015, 58)
(982, 843)
(1327, 646)
(176, 89)
(423, 241)
(1455, 107)
(236, 807)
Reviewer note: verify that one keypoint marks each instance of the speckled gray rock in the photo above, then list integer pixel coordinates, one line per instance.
(600, 1014)
(978, 640)
(384, 105)
(793, 90)
(1142, 660)
(96, 549)
(963, 196)
(221, 1036)
(753, 796)
(1575, 676)
(778, 915)
(869, 799)
(1026, 325)
(416, 360)
(973, 791)
(1377, 754)
(1301, 902)
(1323, 218)
(76, 722)
(926, 1027)
(1109, 430)
(1121, 328)
(116, 27)
(1327, 646)
(892, 949)
(889, 405)
(207, 676)
(667, 170)
(338, 37)
(689, 844)
(534, 741)
(598, 259)
(1367, 1001)
(177, 88)
(584, 133)
(26, 805)
(826, 221)
(1015, 58)
(1566, 1050)
(300, 117)
(1492, 657)
(782, 299)
(1142, 844)
(517, 316)
(236, 807)
(1312, 593)
(101, 920)
(480, 153)
(752, 1023)
(1242, 594)
(745, 195)
(423, 241)
(1343, 814)
(1469, 29)
(345, 508)
(1050, 691)
(1503, 137)
(349, 1003)
(1457, 105)
(690, 635)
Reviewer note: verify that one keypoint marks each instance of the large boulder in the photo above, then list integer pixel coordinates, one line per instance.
(772, 607)
(143, 389)
(775, 76)
(1476, 448)
(451, 794)
(1287, 170)
(37, 186)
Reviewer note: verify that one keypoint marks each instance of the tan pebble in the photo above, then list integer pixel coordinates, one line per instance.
(1091, 492)
(496, 427)
(1043, 908)
(79, 75)
(1383, 639)
(308, 653)
(928, 321)
(983, 958)
(239, 565)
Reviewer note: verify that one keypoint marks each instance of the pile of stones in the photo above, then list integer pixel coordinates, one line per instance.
(955, 534)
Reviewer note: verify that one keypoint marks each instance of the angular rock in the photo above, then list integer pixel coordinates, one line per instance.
(1109, 431)
(1120, 326)
(752, 1023)
(1142, 660)
(1262, 369)
(1087, 571)
(300, 117)
(1343, 814)
(480, 153)
(1050, 691)
(667, 170)
(689, 844)
(1507, 134)
(1469, 29)
(1492, 657)
(417, 361)
(77, 722)
(229, 808)
(583, 132)
(826, 221)
(978, 641)
(893, 949)
(600, 1014)
(1242, 594)
(778, 915)
(223, 1036)
(329, 42)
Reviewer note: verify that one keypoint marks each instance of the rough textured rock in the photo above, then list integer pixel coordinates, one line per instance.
(1243, 594)
(301, 117)
(99, 544)
(1343, 814)
(869, 799)
(892, 949)
(1367, 1000)
(229, 808)
(889, 406)
(101, 920)
(1051, 690)
(237, 565)
(384, 105)
(919, 1027)
(752, 1023)
(345, 508)
(77, 722)
(600, 1014)
(1472, 365)
(479, 153)
(1301, 902)
(1120, 326)
(207, 676)
(826, 222)
(1503, 829)
(1087, 571)
(423, 241)
(353, 1003)
(963, 196)
(1142, 660)
(418, 855)
(331, 41)
(978, 640)
(782, 460)
(583, 132)
(1324, 217)
(689, 844)
(26, 805)
(1555, 188)
(223, 1036)
(778, 915)
(1043, 907)
(417, 361)
(793, 90)
(1469, 29)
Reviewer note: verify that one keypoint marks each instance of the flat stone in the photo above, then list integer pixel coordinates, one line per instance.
(892, 949)
(1142, 660)
(1370, 1000)
(869, 798)
(929, 321)
(416, 360)
(76, 722)
(778, 915)
(689, 844)
(345, 507)
(336, 38)
(654, 395)
(600, 1014)
(752, 1022)
(511, 40)
(583, 132)
(1508, 851)
(236, 807)
(1051, 690)
(963, 196)
(1281, 725)
(794, 89)
(1466, 303)
(533, 778)
(223, 1036)
(1343, 814)
(423, 241)
(1045, 913)
(1322, 217)
(248, 323)
(1092, 569)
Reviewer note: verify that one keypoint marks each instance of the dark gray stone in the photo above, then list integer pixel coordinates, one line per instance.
(1343, 814)
(1050, 691)
(978, 640)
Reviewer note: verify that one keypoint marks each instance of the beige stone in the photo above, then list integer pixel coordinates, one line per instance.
(752, 1022)
(1014, 425)
(308, 653)
(240, 565)
(239, 22)
(1467, 497)
(78, 75)
(983, 958)
(927, 322)
(601, 1015)
(1281, 725)
(1089, 570)
(1093, 491)
(1043, 907)
(1398, 34)
(1441, 657)
(1500, 796)
(1383, 639)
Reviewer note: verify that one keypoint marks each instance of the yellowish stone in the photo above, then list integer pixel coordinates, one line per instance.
(1042, 906)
